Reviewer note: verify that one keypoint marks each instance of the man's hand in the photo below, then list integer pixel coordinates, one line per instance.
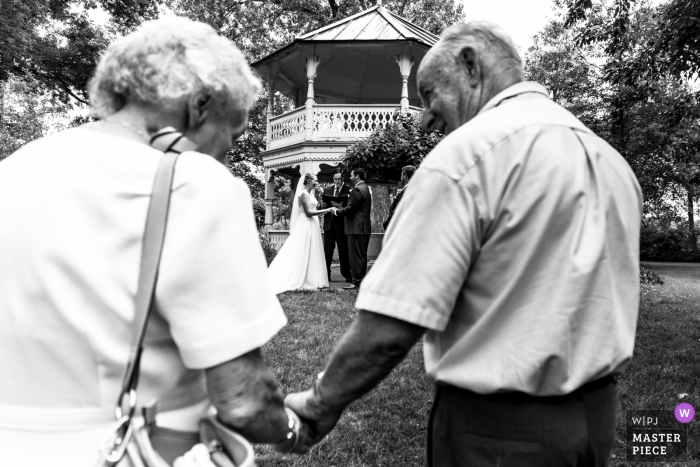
(319, 420)
(336, 204)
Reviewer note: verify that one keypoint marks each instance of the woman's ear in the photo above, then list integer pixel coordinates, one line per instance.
(199, 110)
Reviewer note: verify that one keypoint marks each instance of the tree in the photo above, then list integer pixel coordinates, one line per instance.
(56, 43)
(29, 113)
(390, 148)
(602, 62)
(259, 27)
(676, 44)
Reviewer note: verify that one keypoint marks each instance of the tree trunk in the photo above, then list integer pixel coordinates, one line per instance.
(334, 8)
(691, 223)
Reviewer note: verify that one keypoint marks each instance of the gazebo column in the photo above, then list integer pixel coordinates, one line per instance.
(312, 61)
(271, 78)
(269, 198)
(405, 62)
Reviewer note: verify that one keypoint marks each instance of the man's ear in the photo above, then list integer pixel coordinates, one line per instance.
(468, 60)
(199, 110)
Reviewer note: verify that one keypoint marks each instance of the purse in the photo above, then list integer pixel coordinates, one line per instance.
(136, 440)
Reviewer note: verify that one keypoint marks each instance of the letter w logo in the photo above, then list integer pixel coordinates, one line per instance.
(684, 412)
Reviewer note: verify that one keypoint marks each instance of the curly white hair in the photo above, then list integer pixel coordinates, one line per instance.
(167, 61)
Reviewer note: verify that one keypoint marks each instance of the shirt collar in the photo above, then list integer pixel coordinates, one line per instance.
(513, 91)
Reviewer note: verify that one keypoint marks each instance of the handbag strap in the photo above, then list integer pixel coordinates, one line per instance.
(172, 143)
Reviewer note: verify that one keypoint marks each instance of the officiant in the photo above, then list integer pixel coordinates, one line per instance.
(334, 227)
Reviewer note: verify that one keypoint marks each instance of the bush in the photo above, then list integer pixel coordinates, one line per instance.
(387, 150)
(647, 276)
(268, 246)
(672, 245)
(672, 257)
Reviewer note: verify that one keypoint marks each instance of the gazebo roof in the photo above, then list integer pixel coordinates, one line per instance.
(374, 24)
(357, 59)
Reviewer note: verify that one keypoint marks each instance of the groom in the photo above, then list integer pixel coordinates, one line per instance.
(334, 230)
(357, 225)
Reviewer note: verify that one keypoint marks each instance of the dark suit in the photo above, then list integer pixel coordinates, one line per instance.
(392, 208)
(334, 233)
(358, 228)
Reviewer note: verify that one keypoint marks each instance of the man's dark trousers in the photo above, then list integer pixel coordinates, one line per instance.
(334, 234)
(358, 227)
(357, 248)
(331, 238)
(517, 430)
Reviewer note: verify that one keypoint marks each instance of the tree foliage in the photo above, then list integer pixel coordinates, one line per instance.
(674, 44)
(390, 148)
(598, 66)
(28, 113)
(56, 43)
(260, 27)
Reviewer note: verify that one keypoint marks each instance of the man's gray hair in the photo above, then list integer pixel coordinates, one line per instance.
(492, 38)
(166, 62)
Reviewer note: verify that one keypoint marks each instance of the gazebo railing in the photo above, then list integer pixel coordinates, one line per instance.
(332, 122)
(288, 128)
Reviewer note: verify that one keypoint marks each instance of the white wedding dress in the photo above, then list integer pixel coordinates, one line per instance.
(301, 262)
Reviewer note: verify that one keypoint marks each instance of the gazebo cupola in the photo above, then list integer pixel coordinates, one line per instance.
(346, 79)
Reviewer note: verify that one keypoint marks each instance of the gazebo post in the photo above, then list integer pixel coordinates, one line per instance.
(269, 198)
(405, 62)
(272, 72)
(312, 61)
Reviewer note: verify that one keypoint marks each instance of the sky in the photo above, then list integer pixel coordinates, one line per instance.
(522, 19)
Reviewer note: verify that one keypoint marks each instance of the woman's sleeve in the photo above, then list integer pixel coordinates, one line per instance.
(213, 285)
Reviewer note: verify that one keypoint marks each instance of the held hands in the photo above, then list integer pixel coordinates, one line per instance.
(298, 436)
(318, 419)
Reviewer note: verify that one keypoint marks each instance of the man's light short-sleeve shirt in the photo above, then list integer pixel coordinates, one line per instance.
(72, 218)
(517, 246)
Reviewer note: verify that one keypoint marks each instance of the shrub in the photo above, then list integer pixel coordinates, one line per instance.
(647, 276)
(269, 247)
(387, 150)
(672, 245)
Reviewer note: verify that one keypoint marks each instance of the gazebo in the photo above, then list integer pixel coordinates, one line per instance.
(346, 79)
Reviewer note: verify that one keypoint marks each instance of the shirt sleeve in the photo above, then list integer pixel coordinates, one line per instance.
(426, 254)
(213, 286)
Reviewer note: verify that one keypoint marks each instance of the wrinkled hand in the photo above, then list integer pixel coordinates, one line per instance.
(303, 442)
(317, 418)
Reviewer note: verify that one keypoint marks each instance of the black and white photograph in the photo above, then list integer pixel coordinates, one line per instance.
(349, 233)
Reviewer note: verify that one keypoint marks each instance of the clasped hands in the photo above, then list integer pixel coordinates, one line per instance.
(316, 419)
(335, 207)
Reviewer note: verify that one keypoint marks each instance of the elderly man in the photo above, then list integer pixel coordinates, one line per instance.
(518, 259)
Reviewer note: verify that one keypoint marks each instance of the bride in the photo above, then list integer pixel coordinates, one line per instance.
(301, 262)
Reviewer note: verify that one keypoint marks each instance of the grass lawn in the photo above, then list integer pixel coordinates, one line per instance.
(386, 427)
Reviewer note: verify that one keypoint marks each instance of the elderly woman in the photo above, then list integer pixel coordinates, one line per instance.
(71, 227)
